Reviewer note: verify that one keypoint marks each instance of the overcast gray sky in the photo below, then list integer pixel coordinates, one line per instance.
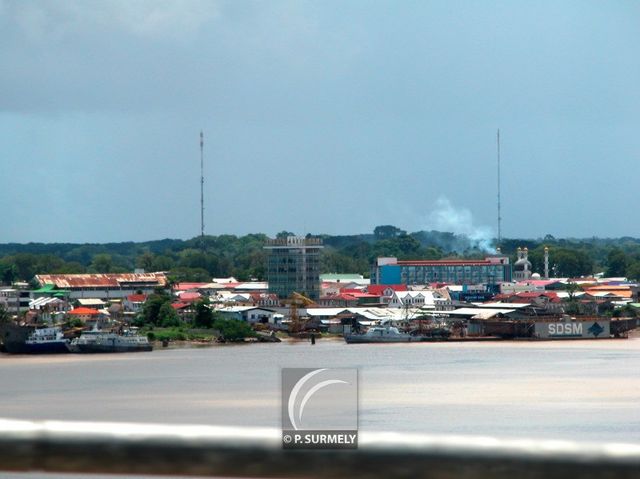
(326, 116)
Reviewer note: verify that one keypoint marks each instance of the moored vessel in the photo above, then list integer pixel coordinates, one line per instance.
(381, 334)
(105, 342)
(38, 341)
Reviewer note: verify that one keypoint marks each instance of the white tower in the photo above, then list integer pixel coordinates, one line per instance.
(546, 262)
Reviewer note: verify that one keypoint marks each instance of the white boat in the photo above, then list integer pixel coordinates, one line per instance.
(381, 334)
(45, 341)
(102, 342)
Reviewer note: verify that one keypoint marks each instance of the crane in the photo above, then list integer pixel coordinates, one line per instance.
(295, 301)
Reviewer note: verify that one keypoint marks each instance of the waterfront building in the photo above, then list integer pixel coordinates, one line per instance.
(15, 300)
(491, 270)
(251, 314)
(429, 299)
(293, 265)
(104, 286)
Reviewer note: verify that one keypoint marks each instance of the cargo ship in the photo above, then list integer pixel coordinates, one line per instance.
(554, 327)
(104, 342)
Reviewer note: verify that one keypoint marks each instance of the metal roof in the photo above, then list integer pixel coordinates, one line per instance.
(111, 280)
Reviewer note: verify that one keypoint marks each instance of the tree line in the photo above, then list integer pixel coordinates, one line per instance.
(200, 259)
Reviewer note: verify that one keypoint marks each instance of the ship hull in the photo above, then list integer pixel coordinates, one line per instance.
(362, 339)
(105, 348)
(57, 347)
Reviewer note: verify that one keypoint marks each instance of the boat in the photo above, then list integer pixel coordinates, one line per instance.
(558, 327)
(39, 341)
(106, 342)
(381, 334)
(46, 341)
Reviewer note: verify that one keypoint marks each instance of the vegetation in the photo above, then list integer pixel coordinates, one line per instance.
(233, 329)
(244, 256)
(204, 316)
(152, 310)
(5, 316)
(169, 334)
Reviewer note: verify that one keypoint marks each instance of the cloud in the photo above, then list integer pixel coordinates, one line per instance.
(38, 21)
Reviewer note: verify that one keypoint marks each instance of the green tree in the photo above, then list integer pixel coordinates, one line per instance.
(633, 271)
(167, 316)
(232, 329)
(151, 307)
(571, 263)
(5, 316)
(102, 263)
(8, 272)
(385, 232)
(204, 316)
(146, 261)
(284, 234)
(617, 263)
(162, 263)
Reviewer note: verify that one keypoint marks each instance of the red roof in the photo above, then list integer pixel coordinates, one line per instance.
(350, 290)
(137, 298)
(446, 262)
(537, 294)
(378, 289)
(189, 297)
(360, 294)
(188, 286)
(179, 305)
(84, 311)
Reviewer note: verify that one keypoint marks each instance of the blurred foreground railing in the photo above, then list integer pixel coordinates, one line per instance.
(122, 448)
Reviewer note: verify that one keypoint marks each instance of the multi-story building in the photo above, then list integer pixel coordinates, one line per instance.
(293, 265)
(491, 270)
(15, 300)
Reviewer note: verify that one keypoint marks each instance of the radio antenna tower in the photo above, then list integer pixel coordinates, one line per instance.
(499, 217)
(201, 190)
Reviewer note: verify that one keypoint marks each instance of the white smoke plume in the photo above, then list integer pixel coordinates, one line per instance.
(447, 218)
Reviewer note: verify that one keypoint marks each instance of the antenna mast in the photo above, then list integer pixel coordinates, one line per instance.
(201, 190)
(499, 217)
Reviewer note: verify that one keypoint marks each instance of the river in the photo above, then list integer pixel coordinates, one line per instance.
(580, 390)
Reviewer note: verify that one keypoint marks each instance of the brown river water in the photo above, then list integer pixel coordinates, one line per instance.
(586, 390)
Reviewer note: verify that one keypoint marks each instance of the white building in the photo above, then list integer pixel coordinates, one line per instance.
(251, 314)
(420, 299)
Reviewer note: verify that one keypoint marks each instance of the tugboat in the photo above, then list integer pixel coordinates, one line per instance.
(40, 341)
(104, 342)
(381, 334)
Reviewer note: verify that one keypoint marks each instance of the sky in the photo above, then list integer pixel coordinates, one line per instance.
(319, 117)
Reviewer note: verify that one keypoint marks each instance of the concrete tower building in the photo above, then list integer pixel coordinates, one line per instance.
(293, 264)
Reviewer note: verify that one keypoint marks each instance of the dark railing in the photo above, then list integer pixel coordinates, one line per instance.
(120, 448)
(123, 448)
